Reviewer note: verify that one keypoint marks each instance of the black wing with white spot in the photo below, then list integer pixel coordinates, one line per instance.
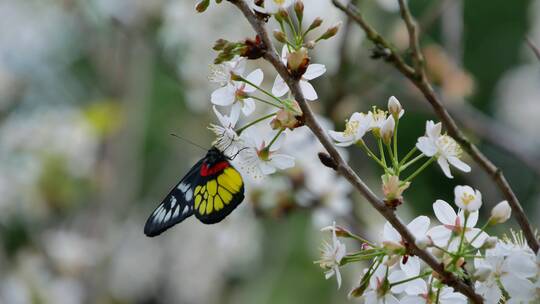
(177, 205)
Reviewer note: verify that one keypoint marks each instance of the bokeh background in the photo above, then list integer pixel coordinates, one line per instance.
(91, 89)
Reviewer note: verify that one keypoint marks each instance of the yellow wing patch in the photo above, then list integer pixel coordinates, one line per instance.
(217, 193)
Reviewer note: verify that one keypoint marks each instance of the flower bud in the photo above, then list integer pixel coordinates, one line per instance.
(282, 14)
(280, 36)
(360, 289)
(387, 130)
(310, 44)
(297, 62)
(285, 119)
(220, 44)
(460, 262)
(315, 24)
(393, 188)
(299, 9)
(490, 242)
(340, 231)
(500, 213)
(253, 48)
(394, 107)
(202, 6)
(331, 32)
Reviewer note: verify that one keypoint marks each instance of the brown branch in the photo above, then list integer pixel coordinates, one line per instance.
(342, 167)
(414, 42)
(419, 79)
(533, 47)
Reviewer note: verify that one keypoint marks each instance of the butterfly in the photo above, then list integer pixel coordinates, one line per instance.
(211, 190)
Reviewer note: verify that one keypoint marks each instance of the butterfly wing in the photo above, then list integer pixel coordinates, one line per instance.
(177, 205)
(218, 194)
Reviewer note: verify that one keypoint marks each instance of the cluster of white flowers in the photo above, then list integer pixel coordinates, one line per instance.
(259, 155)
(499, 268)
(241, 94)
(383, 125)
(275, 140)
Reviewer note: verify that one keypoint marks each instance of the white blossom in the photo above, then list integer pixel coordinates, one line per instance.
(313, 71)
(379, 291)
(453, 223)
(378, 120)
(331, 255)
(443, 147)
(222, 73)
(419, 293)
(257, 159)
(273, 6)
(355, 128)
(406, 271)
(237, 93)
(512, 268)
(467, 198)
(227, 139)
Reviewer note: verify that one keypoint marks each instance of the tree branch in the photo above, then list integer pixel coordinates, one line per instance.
(342, 167)
(419, 79)
(533, 47)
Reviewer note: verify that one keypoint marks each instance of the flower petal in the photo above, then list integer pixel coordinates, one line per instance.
(339, 136)
(256, 77)
(280, 88)
(390, 233)
(223, 96)
(266, 168)
(248, 106)
(412, 267)
(522, 264)
(433, 130)
(313, 71)
(456, 162)
(448, 296)
(417, 287)
(412, 300)
(426, 146)
(282, 161)
(419, 226)
(443, 163)
(440, 235)
(480, 239)
(444, 212)
(517, 287)
(308, 90)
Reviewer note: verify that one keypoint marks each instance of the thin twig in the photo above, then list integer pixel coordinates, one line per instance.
(414, 42)
(533, 47)
(342, 167)
(433, 12)
(419, 79)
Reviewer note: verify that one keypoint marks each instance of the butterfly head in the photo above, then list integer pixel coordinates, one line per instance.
(214, 156)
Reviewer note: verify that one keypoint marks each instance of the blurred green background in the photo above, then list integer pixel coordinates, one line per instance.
(91, 90)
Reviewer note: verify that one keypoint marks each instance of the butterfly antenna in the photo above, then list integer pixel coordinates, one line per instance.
(235, 155)
(189, 141)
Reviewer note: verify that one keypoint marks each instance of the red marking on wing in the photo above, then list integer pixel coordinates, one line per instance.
(205, 170)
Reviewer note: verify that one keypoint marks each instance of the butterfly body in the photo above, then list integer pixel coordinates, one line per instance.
(211, 190)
